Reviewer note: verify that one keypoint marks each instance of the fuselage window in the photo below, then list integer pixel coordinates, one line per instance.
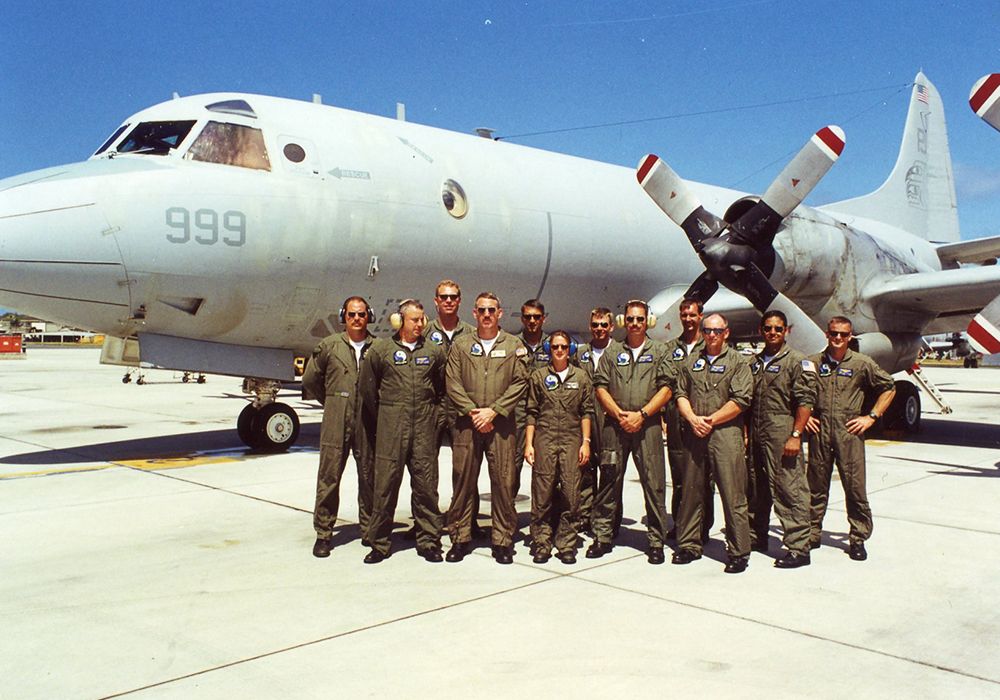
(155, 138)
(231, 144)
(294, 152)
(111, 139)
(453, 197)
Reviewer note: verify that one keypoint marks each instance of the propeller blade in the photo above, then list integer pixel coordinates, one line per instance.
(702, 288)
(984, 334)
(671, 194)
(758, 226)
(985, 99)
(805, 336)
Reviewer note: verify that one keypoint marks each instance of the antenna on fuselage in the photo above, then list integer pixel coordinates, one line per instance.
(317, 98)
(400, 112)
(176, 96)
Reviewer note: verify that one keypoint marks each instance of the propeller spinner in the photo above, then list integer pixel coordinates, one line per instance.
(741, 255)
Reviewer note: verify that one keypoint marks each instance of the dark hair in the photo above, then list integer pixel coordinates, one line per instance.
(535, 304)
(774, 313)
(838, 320)
(691, 301)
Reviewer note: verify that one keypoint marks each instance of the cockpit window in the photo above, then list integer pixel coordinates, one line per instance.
(240, 107)
(231, 144)
(155, 138)
(111, 139)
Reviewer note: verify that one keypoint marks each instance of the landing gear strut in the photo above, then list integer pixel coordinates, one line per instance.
(265, 424)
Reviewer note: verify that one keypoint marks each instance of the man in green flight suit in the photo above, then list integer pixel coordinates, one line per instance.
(632, 386)
(714, 388)
(557, 445)
(402, 383)
(784, 392)
(486, 376)
(689, 342)
(331, 377)
(532, 320)
(588, 355)
(838, 427)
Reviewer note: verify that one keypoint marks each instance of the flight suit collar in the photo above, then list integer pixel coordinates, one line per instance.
(646, 341)
(398, 340)
(681, 343)
(835, 363)
(782, 351)
(725, 351)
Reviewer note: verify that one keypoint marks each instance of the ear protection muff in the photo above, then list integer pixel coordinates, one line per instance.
(650, 318)
(342, 314)
(396, 319)
(547, 347)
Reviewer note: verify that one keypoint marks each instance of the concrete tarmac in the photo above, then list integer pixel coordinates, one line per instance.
(146, 554)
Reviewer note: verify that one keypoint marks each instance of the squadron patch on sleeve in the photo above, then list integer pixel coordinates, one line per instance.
(521, 352)
(808, 366)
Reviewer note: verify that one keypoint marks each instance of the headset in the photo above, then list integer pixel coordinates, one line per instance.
(396, 319)
(547, 345)
(650, 318)
(342, 314)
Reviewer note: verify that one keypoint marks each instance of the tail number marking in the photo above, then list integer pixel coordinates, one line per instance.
(206, 228)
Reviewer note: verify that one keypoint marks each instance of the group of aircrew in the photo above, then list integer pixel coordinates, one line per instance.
(575, 415)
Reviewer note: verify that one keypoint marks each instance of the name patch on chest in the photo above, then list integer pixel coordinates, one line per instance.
(422, 360)
(572, 385)
(717, 369)
(498, 353)
(773, 369)
(844, 372)
(645, 359)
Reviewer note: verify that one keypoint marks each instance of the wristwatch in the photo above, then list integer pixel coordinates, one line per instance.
(643, 412)
(796, 433)
(873, 415)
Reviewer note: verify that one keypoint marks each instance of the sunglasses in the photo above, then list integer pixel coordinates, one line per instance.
(449, 297)
(487, 309)
(531, 317)
(773, 329)
(714, 331)
(356, 314)
(635, 319)
(560, 346)
(600, 324)
(839, 334)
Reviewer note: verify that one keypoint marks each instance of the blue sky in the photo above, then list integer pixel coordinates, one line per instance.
(71, 72)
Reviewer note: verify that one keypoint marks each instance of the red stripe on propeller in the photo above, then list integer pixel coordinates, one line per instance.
(990, 86)
(833, 142)
(646, 166)
(983, 337)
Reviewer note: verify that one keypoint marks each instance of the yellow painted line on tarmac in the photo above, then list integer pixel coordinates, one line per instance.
(158, 464)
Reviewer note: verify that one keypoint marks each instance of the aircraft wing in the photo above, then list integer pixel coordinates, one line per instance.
(976, 250)
(958, 292)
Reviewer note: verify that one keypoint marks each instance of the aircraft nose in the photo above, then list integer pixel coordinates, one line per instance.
(59, 260)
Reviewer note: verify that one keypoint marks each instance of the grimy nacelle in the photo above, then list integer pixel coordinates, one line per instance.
(223, 231)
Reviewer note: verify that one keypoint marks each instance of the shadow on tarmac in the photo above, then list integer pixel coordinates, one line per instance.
(176, 446)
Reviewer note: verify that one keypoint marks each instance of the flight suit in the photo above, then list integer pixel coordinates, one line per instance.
(708, 386)
(780, 387)
(675, 444)
(497, 380)
(435, 333)
(556, 408)
(331, 376)
(404, 388)
(632, 381)
(537, 359)
(588, 475)
(842, 390)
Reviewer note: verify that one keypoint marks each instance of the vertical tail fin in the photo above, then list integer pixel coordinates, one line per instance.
(919, 195)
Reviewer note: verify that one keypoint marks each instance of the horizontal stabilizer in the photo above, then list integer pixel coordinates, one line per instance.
(965, 290)
(975, 251)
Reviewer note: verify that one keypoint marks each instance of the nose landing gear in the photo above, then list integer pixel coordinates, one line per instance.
(266, 424)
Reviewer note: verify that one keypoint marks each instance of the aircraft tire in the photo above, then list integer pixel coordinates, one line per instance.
(276, 427)
(244, 425)
(905, 408)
